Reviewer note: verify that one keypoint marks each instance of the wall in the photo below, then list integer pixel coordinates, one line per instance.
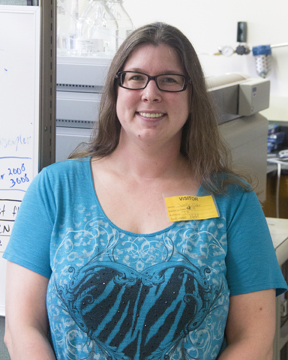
(213, 23)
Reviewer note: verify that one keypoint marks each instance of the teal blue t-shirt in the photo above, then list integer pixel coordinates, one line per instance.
(114, 294)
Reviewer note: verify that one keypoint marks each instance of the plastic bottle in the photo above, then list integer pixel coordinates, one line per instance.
(67, 18)
(97, 31)
(125, 25)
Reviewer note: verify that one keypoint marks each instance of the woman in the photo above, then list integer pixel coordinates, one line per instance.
(93, 245)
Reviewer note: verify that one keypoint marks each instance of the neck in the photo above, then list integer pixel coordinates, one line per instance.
(148, 161)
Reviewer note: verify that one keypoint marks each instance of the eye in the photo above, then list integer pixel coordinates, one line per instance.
(135, 77)
(169, 79)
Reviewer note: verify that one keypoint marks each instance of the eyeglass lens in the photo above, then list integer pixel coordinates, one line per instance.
(167, 82)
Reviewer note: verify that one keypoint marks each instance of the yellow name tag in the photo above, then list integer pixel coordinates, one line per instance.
(181, 208)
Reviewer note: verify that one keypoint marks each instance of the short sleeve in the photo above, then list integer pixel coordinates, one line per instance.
(251, 259)
(29, 244)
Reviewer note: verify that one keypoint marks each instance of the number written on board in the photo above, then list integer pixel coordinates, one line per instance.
(15, 173)
(18, 175)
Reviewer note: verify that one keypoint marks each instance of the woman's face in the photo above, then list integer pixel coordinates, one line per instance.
(151, 114)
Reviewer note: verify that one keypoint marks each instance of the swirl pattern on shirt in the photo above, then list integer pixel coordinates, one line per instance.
(139, 297)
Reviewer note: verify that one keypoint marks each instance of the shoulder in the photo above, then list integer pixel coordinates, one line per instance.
(237, 200)
(67, 166)
(228, 187)
(236, 197)
(231, 182)
(65, 170)
(58, 180)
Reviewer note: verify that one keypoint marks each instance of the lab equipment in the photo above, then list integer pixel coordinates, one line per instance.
(262, 53)
(125, 25)
(67, 19)
(283, 154)
(263, 59)
(97, 31)
(275, 140)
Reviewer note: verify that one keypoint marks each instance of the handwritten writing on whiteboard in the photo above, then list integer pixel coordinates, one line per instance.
(16, 143)
(15, 173)
(8, 212)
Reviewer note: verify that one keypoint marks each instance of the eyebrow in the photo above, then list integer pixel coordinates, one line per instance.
(163, 72)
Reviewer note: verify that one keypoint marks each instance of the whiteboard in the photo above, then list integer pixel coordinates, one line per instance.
(19, 115)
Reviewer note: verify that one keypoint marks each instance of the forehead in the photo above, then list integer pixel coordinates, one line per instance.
(154, 59)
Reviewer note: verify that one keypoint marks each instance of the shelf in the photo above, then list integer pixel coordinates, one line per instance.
(82, 71)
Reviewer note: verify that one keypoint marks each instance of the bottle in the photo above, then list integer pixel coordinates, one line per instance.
(67, 18)
(97, 31)
(125, 25)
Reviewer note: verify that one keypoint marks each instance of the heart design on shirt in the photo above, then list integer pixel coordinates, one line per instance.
(138, 315)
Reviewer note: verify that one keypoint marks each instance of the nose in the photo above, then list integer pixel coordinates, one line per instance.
(151, 93)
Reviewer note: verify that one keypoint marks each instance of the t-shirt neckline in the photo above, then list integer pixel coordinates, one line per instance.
(160, 232)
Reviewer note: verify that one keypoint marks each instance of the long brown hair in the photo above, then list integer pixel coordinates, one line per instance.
(201, 143)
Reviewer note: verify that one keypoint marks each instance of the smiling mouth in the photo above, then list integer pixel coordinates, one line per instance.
(151, 115)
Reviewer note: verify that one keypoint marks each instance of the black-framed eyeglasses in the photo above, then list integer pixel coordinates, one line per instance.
(134, 80)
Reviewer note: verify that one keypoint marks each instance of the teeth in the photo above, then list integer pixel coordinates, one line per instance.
(151, 115)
